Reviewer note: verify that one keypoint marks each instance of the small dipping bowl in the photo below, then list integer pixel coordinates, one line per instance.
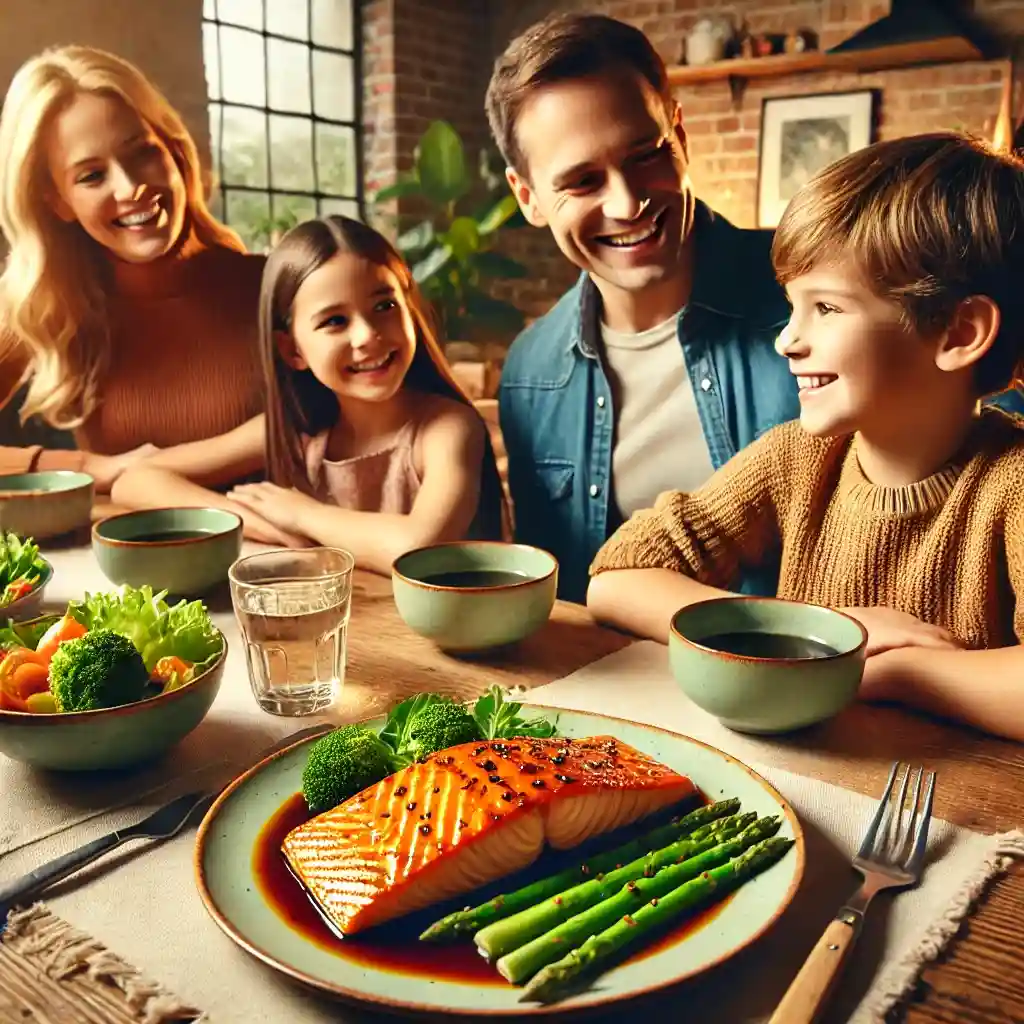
(27, 607)
(475, 595)
(765, 665)
(46, 504)
(185, 551)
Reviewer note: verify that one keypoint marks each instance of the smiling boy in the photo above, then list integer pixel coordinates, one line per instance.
(658, 365)
(895, 497)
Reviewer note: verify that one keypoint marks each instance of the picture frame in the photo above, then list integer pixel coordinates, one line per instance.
(800, 135)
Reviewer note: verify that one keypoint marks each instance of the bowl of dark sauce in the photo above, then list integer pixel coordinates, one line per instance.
(185, 551)
(765, 665)
(475, 595)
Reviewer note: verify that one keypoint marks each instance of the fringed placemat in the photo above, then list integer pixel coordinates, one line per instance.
(52, 973)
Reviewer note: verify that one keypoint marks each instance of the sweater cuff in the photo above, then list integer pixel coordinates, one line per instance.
(56, 458)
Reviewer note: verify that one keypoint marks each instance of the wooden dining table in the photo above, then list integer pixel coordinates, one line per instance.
(978, 980)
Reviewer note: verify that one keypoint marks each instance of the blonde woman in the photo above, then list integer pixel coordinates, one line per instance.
(127, 312)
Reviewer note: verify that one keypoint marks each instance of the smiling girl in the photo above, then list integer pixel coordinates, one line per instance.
(368, 442)
(894, 497)
(127, 312)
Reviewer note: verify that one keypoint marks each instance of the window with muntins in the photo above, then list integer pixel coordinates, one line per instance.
(283, 85)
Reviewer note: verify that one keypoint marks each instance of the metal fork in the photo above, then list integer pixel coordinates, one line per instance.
(890, 857)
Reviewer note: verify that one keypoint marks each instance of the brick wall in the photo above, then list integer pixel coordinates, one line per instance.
(429, 82)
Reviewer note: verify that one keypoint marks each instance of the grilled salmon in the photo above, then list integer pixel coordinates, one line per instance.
(466, 816)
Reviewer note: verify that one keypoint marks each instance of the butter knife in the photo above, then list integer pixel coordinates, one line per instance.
(161, 824)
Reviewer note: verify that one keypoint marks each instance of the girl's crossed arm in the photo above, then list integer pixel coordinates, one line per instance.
(453, 442)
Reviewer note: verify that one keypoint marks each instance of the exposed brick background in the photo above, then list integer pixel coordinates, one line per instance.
(442, 52)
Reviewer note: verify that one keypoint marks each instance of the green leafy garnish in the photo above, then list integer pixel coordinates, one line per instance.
(25, 634)
(157, 629)
(21, 567)
(397, 729)
(499, 719)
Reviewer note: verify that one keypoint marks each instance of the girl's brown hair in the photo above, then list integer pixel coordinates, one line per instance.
(929, 220)
(297, 403)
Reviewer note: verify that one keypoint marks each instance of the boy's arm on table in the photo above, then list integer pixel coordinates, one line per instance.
(453, 444)
(689, 547)
(981, 688)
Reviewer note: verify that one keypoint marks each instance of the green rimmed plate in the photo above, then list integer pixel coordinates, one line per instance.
(233, 891)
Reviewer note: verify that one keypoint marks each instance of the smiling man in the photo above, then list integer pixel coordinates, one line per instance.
(658, 365)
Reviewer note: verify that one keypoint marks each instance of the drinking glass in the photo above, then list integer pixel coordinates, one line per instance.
(293, 608)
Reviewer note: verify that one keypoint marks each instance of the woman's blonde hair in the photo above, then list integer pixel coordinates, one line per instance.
(297, 403)
(52, 291)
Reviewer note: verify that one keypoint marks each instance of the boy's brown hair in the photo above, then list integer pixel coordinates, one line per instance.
(929, 220)
(560, 48)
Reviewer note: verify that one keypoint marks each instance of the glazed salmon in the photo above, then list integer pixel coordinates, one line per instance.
(466, 816)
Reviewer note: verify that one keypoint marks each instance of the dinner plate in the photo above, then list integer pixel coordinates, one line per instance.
(235, 891)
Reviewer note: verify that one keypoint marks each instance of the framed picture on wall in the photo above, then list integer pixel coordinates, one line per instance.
(802, 134)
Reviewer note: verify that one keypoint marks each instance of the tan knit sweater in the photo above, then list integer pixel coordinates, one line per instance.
(949, 549)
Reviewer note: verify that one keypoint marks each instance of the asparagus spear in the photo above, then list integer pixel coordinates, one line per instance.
(555, 978)
(503, 936)
(526, 959)
(472, 919)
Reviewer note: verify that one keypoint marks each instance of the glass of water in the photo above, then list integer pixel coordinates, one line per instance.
(292, 607)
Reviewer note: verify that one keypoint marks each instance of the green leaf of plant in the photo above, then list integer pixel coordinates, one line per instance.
(463, 238)
(495, 264)
(416, 239)
(498, 214)
(399, 190)
(496, 313)
(433, 262)
(441, 163)
(397, 729)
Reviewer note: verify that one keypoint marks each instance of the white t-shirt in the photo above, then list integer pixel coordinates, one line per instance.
(659, 443)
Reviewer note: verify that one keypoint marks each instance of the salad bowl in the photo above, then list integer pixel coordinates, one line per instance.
(110, 737)
(24, 574)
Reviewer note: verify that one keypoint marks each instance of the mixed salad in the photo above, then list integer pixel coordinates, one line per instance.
(21, 568)
(105, 651)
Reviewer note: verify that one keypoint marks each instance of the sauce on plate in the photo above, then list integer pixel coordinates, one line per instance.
(395, 946)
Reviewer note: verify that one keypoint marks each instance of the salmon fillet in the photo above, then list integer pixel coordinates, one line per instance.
(466, 816)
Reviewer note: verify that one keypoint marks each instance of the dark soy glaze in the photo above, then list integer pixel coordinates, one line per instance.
(472, 578)
(753, 644)
(395, 946)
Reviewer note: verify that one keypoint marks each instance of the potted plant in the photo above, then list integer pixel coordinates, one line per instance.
(459, 217)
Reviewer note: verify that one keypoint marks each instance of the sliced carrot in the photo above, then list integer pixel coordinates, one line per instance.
(28, 679)
(12, 689)
(67, 628)
(169, 666)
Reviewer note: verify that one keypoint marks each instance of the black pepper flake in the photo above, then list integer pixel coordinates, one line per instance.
(427, 815)
(483, 789)
(411, 805)
(495, 817)
(385, 814)
(564, 778)
(488, 765)
(494, 780)
(425, 829)
(558, 759)
(463, 824)
(401, 791)
(479, 750)
(437, 789)
(537, 783)
(508, 795)
(529, 769)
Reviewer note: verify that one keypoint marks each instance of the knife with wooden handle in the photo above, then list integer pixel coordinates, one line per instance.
(161, 824)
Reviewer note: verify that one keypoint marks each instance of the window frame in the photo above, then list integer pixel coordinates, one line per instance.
(271, 191)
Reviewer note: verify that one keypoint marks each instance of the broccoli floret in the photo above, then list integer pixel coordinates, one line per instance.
(101, 669)
(441, 725)
(342, 763)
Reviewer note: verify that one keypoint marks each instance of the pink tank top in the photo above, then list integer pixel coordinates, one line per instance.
(383, 481)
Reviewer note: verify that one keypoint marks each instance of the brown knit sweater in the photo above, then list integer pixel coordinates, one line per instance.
(949, 549)
(184, 363)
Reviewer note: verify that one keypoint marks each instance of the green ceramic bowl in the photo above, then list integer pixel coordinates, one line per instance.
(114, 737)
(474, 595)
(763, 665)
(185, 551)
(46, 504)
(27, 607)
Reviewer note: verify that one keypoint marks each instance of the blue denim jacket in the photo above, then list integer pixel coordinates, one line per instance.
(555, 399)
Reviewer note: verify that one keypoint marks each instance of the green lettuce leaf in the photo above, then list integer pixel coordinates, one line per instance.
(499, 719)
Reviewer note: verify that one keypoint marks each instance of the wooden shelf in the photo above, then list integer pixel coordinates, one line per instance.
(948, 50)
